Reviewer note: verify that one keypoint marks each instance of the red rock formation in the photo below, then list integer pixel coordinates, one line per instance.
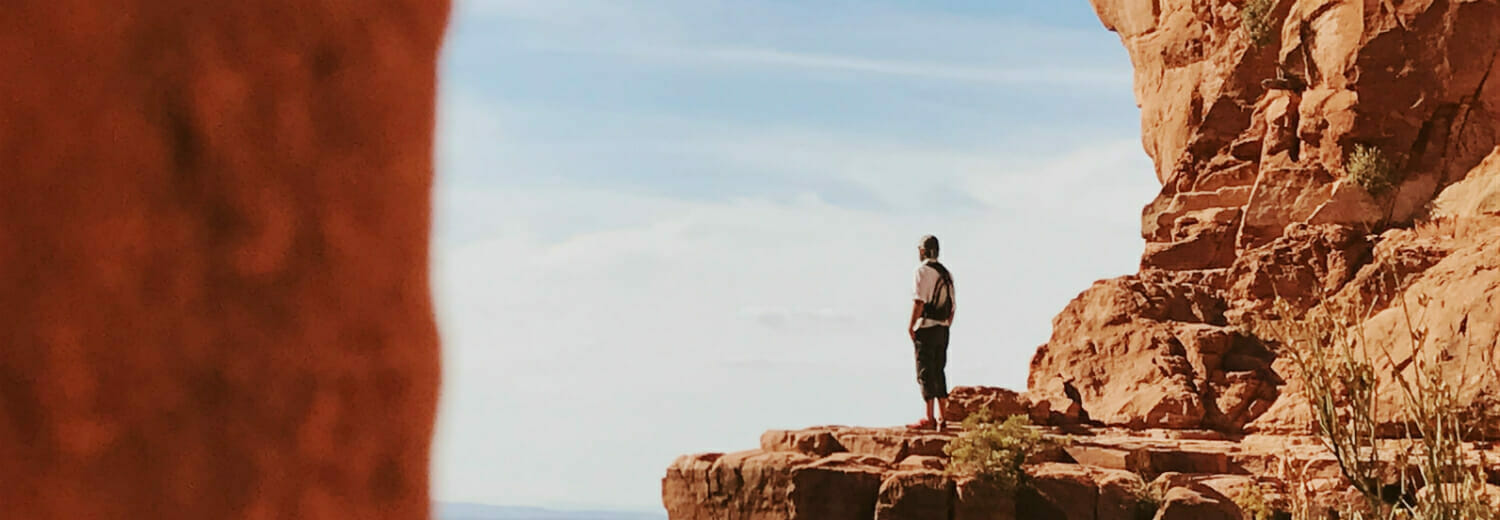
(214, 253)
(999, 402)
(1197, 502)
(1234, 144)
(1100, 474)
(1250, 143)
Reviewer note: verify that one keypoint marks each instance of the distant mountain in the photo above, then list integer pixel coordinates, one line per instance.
(462, 511)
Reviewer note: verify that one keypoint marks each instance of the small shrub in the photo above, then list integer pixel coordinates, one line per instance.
(1370, 169)
(1254, 504)
(994, 451)
(1148, 499)
(1255, 18)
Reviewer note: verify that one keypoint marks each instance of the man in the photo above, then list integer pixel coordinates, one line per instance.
(932, 311)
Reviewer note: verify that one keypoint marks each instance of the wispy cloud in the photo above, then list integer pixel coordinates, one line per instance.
(874, 40)
(846, 166)
(1093, 77)
(1075, 182)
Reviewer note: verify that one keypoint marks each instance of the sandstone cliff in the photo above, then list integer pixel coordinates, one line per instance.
(1251, 142)
(1253, 112)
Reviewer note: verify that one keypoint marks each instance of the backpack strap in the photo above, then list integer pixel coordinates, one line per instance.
(943, 273)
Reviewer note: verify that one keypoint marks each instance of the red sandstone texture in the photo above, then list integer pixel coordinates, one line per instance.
(839, 472)
(1251, 144)
(213, 248)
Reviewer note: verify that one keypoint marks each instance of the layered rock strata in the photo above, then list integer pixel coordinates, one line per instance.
(1253, 144)
(1092, 473)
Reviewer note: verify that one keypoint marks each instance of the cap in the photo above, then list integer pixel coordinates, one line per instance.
(930, 243)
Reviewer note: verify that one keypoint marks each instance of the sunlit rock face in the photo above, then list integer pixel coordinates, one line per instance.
(1254, 146)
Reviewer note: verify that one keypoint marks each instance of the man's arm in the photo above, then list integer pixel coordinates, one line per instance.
(952, 304)
(916, 312)
(920, 287)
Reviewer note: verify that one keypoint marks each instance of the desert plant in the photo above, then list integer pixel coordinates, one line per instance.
(1340, 389)
(1301, 498)
(1255, 18)
(1338, 366)
(1368, 167)
(994, 451)
(1438, 425)
(1254, 504)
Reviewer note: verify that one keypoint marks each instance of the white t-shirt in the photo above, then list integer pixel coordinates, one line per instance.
(927, 281)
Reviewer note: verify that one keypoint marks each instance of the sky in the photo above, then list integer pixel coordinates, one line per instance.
(666, 226)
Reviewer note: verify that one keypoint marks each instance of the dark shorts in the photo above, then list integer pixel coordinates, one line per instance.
(932, 358)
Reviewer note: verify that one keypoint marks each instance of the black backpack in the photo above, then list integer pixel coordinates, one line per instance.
(931, 309)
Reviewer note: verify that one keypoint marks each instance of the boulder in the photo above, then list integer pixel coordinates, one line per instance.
(915, 495)
(1196, 501)
(816, 443)
(720, 486)
(834, 490)
(977, 500)
(964, 401)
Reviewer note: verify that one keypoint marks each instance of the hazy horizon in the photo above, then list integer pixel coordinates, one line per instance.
(666, 227)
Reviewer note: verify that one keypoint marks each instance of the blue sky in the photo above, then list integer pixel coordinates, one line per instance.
(664, 226)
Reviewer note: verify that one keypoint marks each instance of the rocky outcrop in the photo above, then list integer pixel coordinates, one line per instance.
(848, 473)
(1255, 135)
(1197, 502)
(1099, 474)
(1453, 305)
(1251, 141)
(1154, 352)
(999, 402)
(213, 247)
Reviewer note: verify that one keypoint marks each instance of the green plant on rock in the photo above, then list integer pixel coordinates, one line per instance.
(994, 451)
(1255, 18)
(1368, 167)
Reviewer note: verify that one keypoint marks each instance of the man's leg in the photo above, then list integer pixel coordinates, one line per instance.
(940, 367)
(925, 374)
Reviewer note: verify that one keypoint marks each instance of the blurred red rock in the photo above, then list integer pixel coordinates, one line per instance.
(214, 254)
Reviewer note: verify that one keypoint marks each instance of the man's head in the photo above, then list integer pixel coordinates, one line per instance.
(928, 250)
